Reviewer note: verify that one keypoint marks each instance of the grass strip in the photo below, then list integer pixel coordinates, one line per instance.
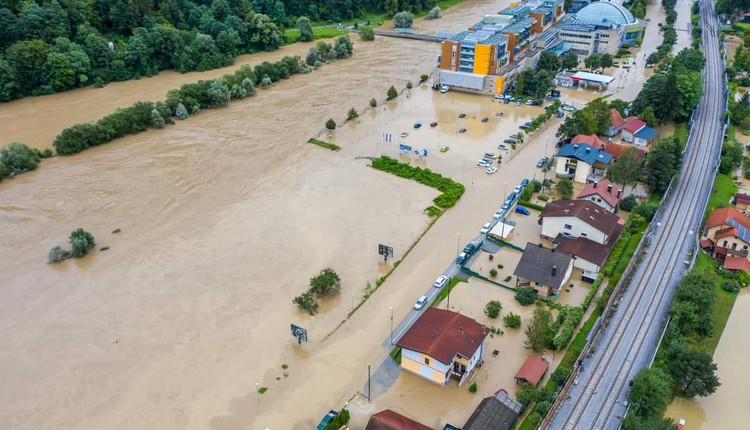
(323, 144)
(721, 310)
(723, 189)
(445, 291)
(450, 189)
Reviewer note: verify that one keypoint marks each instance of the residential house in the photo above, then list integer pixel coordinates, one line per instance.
(581, 162)
(638, 132)
(498, 412)
(742, 201)
(532, 370)
(602, 193)
(727, 236)
(616, 150)
(441, 345)
(390, 420)
(588, 139)
(544, 269)
(617, 123)
(583, 229)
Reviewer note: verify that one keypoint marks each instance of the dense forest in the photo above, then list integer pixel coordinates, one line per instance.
(48, 46)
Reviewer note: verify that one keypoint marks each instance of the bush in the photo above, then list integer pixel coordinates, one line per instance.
(156, 119)
(731, 286)
(536, 186)
(57, 254)
(331, 124)
(560, 374)
(352, 114)
(526, 296)
(392, 93)
(338, 421)
(473, 387)
(628, 203)
(543, 197)
(181, 112)
(423, 78)
(18, 157)
(512, 320)
(409, 85)
(535, 419)
(542, 408)
(326, 283)
(492, 308)
(367, 34)
(451, 190)
(403, 19)
(493, 272)
(526, 394)
(373, 103)
(81, 242)
(306, 302)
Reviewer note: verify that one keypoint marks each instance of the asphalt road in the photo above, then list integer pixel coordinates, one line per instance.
(629, 340)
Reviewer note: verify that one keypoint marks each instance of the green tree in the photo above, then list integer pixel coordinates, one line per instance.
(434, 13)
(352, 113)
(693, 372)
(367, 34)
(492, 308)
(181, 112)
(157, 119)
(29, 59)
(560, 374)
(648, 116)
(265, 34)
(661, 164)
(650, 393)
(628, 203)
(306, 302)
(548, 61)
(18, 157)
(526, 296)
(579, 122)
(564, 188)
(391, 7)
(689, 89)
(326, 283)
(81, 242)
(606, 61)
(593, 62)
(392, 93)
(634, 422)
(331, 124)
(305, 29)
(527, 394)
(627, 169)
(512, 320)
(403, 19)
(57, 254)
(570, 61)
(538, 329)
(373, 103)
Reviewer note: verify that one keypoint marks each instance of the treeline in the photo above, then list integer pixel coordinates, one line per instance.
(638, 7)
(190, 99)
(49, 46)
(732, 7)
(670, 34)
(18, 158)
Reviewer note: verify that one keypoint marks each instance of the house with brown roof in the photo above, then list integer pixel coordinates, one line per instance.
(602, 193)
(588, 139)
(583, 229)
(532, 370)
(498, 412)
(727, 237)
(544, 269)
(616, 149)
(617, 122)
(390, 420)
(443, 345)
(742, 201)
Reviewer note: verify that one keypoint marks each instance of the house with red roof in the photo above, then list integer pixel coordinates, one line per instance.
(742, 201)
(588, 139)
(532, 370)
(617, 122)
(638, 132)
(616, 150)
(390, 420)
(727, 237)
(442, 345)
(602, 193)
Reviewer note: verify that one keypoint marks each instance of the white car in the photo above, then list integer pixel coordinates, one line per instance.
(490, 155)
(444, 89)
(440, 282)
(499, 214)
(485, 228)
(484, 163)
(420, 303)
(518, 189)
(490, 170)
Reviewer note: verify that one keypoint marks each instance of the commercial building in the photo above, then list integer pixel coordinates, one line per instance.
(600, 27)
(442, 345)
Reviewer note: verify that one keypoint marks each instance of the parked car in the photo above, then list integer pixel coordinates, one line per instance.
(433, 124)
(522, 210)
(518, 102)
(491, 170)
(462, 130)
(440, 282)
(542, 161)
(569, 108)
(470, 247)
(498, 214)
(485, 228)
(462, 115)
(518, 189)
(445, 89)
(510, 141)
(514, 136)
(524, 126)
(490, 155)
(502, 146)
(461, 258)
(417, 124)
(499, 114)
(420, 303)
(530, 103)
(499, 96)
(485, 119)
(511, 197)
(534, 117)
(507, 205)
(554, 93)
(404, 134)
(524, 182)
(484, 163)
(560, 113)
(326, 419)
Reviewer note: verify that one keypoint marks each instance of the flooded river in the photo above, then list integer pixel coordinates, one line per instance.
(224, 218)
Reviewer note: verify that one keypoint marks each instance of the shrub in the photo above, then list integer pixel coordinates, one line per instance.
(338, 421)
(367, 34)
(526, 296)
(181, 112)
(512, 320)
(352, 113)
(331, 124)
(451, 190)
(81, 242)
(543, 197)
(392, 93)
(18, 157)
(423, 78)
(434, 13)
(492, 308)
(403, 19)
(473, 387)
(156, 119)
(526, 394)
(543, 407)
(731, 286)
(326, 283)
(628, 203)
(373, 103)
(536, 186)
(57, 254)
(535, 419)
(493, 272)
(560, 374)
(306, 302)
(409, 85)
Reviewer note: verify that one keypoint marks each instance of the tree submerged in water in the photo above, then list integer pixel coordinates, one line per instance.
(81, 242)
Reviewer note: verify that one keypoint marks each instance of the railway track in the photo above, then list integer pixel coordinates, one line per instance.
(632, 329)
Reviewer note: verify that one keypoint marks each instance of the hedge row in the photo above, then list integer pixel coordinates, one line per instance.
(451, 190)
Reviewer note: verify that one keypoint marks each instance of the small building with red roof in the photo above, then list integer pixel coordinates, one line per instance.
(588, 139)
(742, 201)
(602, 193)
(616, 150)
(443, 345)
(727, 236)
(390, 420)
(617, 122)
(638, 132)
(533, 370)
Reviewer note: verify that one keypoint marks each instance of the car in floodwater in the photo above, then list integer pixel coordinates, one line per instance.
(491, 170)
(404, 134)
(417, 124)
(503, 147)
(542, 161)
(462, 115)
(490, 155)
(518, 102)
(485, 228)
(433, 124)
(462, 130)
(484, 163)
(444, 148)
(461, 258)
(485, 119)
(522, 210)
(420, 303)
(440, 281)
(524, 182)
(326, 419)
(445, 89)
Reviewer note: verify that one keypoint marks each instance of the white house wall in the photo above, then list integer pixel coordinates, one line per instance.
(434, 364)
(552, 226)
(597, 200)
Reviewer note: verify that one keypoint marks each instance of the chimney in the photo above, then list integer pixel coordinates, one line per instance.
(609, 188)
(595, 184)
(434, 334)
(575, 146)
(588, 150)
(554, 270)
(619, 193)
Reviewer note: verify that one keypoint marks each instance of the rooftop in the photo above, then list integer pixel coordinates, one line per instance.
(605, 189)
(616, 150)
(604, 11)
(634, 124)
(390, 420)
(587, 249)
(742, 198)
(588, 212)
(586, 153)
(593, 78)
(616, 118)
(498, 412)
(736, 263)
(442, 334)
(722, 216)
(646, 133)
(519, 26)
(588, 139)
(543, 265)
(519, 10)
(532, 369)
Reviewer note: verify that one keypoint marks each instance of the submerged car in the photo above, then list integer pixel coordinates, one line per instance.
(404, 134)
(462, 130)
(433, 124)
(490, 155)
(491, 170)
(484, 163)
(485, 119)
(444, 148)
(462, 115)
(542, 161)
(503, 147)
(417, 124)
(326, 419)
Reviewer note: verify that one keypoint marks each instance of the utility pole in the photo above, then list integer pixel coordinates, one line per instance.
(391, 308)
(368, 383)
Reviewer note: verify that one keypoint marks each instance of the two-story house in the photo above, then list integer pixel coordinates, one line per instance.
(638, 132)
(544, 269)
(617, 122)
(581, 162)
(727, 238)
(583, 229)
(603, 193)
(442, 345)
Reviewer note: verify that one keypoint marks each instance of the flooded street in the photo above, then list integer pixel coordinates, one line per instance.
(224, 219)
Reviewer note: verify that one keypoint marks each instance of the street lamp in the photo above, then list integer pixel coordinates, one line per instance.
(458, 241)
(257, 391)
(391, 308)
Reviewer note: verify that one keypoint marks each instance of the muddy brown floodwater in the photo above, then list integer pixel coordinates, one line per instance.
(224, 218)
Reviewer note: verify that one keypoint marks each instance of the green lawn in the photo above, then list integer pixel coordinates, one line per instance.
(444, 4)
(444, 293)
(722, 307)
(291, 35)
(722, 190)
(681, 132)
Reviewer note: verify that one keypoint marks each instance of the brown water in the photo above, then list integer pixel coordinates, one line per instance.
(224, 219)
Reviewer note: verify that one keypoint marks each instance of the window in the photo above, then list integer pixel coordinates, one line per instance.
(584, 234)
(734, 245)
(744, 247)
(427, 361)
(724, 245)
(568, 227)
